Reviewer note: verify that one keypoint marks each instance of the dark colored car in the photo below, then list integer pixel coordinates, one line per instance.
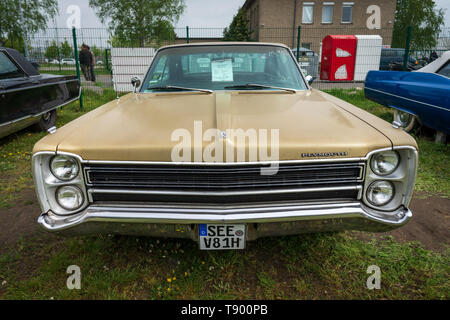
(392, 59)
(29, 98)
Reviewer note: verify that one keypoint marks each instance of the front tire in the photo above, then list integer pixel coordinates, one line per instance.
(407, 121)
(47, 121)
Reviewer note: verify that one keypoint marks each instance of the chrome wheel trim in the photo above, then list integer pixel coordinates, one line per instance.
(406, 120)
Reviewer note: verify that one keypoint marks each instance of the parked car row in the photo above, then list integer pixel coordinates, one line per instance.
(69, 61)
(333, 166)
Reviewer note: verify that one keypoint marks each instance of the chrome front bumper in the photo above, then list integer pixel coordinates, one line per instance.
(261, 220)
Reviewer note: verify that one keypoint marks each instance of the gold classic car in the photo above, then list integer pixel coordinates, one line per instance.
(223, 143)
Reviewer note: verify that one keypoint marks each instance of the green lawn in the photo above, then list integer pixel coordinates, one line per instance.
(315, 266)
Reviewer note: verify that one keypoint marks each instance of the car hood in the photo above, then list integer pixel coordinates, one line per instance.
(147, 127)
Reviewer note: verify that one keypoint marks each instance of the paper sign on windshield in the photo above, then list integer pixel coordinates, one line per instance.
(222, 70)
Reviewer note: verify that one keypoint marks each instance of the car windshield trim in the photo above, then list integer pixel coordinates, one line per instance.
(260, 86)
(177, 88)
(208, 67)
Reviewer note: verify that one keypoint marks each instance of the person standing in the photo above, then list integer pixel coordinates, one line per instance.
(85, 62)
(92, 68)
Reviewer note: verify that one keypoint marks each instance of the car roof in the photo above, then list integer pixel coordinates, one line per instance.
(20, 60)
(436, 64)
(224, 43)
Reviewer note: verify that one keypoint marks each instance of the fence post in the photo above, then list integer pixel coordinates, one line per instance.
(408, 42)
(187, 34)
(106, 60)
(298, 43)
(77, 63)
(58, 56)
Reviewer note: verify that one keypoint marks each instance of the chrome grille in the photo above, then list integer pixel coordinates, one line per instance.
(222, 183)
(221, 178)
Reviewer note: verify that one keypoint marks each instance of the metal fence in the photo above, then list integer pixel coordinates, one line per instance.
(54, 51)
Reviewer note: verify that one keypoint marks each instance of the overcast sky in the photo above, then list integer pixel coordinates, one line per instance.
(198, 13)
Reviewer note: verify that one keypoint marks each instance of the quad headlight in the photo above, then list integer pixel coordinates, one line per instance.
(64, 168)
(384, 163)
(69, 197)
(380, 193)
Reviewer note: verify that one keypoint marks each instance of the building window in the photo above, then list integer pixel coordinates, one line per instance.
(306, 45)
(347, 11)
(327, 12)
(308, 12)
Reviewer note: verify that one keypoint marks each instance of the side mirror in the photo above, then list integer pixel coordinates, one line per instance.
(309, 79)
(135, 82)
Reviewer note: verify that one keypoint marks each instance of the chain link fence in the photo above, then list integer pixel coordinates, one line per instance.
(115, 62)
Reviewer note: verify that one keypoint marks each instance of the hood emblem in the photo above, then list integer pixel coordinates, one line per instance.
(324, 154)
(223, 134)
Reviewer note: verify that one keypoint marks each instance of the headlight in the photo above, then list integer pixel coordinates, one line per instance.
(64, 168)
(380, 193)
(69, 197)
(384, 163)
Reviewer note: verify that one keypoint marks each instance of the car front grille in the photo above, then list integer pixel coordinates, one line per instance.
(222, 183)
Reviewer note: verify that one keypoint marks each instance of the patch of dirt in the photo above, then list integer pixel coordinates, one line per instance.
(430, 224)
(19, 221)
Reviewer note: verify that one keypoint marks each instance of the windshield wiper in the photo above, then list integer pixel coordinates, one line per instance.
(262, 86)
(178, 88)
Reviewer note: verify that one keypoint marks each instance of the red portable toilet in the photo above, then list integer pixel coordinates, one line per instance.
(338, 58)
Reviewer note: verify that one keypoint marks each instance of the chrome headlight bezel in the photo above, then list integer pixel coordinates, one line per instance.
(75, 167)
(77, 191)
(375, 162)
(373, 185)
(403, 178)
(47, 183)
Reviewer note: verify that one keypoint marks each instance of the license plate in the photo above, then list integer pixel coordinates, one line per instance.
(221, 236)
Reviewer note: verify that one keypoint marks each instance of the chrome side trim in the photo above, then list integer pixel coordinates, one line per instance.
(39, 86)
(223, 193)
(43, 112)
(415, 101)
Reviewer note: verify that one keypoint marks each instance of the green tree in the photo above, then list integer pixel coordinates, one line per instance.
(52, 51)
(97, 52)
(36, 13)
(239, 29)
(424, 18)
(139, 22)
(66, 49)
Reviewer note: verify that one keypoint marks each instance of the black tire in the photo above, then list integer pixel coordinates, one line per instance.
(47, 121)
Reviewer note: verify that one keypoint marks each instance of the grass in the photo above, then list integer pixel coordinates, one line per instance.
(316, 266)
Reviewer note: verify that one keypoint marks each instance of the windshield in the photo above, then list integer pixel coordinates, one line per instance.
(217, 67)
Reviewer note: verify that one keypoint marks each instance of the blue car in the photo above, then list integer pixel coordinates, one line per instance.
(422, 96)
